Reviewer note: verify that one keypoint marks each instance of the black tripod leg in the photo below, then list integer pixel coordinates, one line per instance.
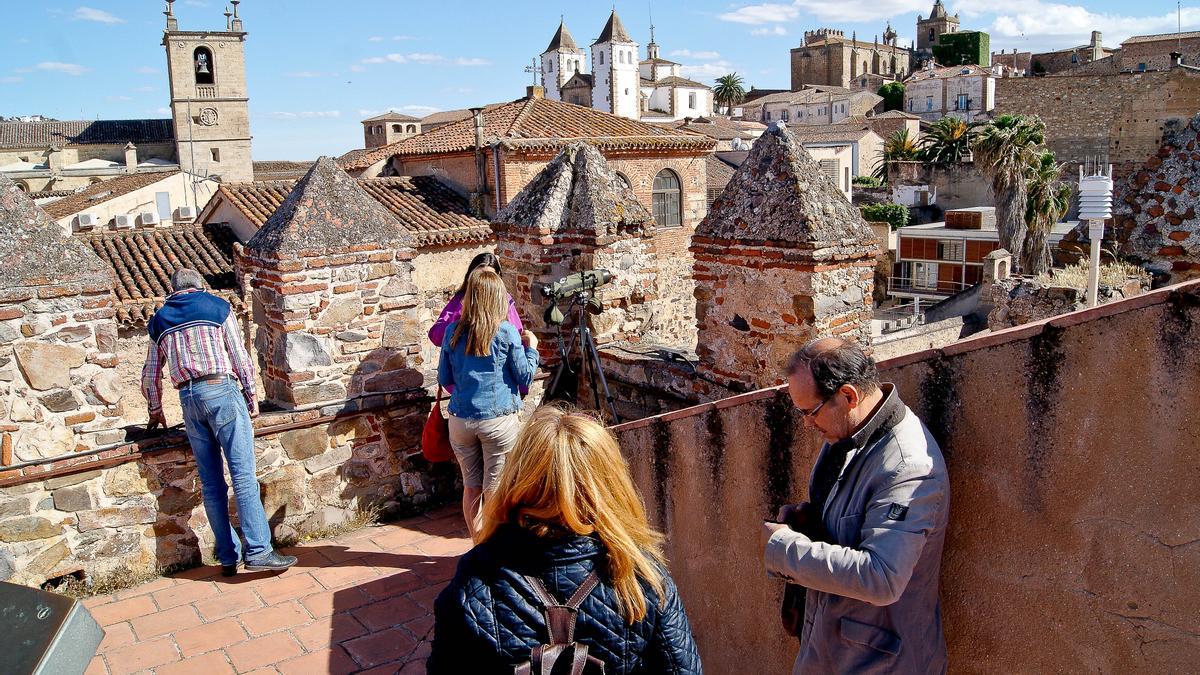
(594, 355)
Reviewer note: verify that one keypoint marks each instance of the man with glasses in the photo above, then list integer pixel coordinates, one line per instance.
(868, 543)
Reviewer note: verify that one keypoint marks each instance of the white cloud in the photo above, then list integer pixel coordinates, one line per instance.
(864, 10)
(58, 67)
(97, 15)
(375, 38)
(773, 30)
(760, 14)
(307, 114)
(11, 79)
(118, 98)
(357, 69)
(393, 58)
(1032, 24)
(460, 61)
(420, 57)
(700, 56)
(707, 71)
(146, 70)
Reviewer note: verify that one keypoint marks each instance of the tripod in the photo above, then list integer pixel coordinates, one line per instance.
(581, 336)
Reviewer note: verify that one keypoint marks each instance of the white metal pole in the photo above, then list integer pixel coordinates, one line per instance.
(1095, 234)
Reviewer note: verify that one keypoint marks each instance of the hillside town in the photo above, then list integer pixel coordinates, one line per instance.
(1008, 241)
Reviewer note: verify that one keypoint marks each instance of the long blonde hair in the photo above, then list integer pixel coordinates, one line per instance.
(485, 306)
(566, 471)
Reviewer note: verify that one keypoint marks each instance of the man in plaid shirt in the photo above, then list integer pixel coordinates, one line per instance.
(196, 336)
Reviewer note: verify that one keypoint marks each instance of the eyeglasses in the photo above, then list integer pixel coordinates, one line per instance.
(814, 411)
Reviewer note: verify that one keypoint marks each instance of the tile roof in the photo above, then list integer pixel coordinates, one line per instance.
(1161, 36)
(714, 127)
(947, 71)
(353, 156)
(613, 31)
(84, 132)
(829, 133)
(719, 173)
(658, 61)
(676, 81)
(393, 116)
(143, 260)
(562, 39)
(98, 193)
(437, 215)
(579, 79)
(280, 170)
(893, 114)
(538, 122)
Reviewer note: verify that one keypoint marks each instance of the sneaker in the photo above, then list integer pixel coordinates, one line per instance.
(230, 570)
(272, 562)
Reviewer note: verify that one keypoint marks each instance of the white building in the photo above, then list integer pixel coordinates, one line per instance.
(812, 105)
(967, 92)
(652, 90)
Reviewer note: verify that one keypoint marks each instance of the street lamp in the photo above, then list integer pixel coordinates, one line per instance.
(1095, 206)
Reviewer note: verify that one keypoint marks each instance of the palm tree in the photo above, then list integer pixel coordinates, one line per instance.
(1005, 148)
(1048, 199)
(729, 91)
(947, 141)
(898, 147)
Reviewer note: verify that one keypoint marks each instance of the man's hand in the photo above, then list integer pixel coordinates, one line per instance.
(769, 529)
(529, 339)
(157, 420)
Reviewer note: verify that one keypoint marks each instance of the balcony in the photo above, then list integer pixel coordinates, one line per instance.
(924, 286)
(206, 91)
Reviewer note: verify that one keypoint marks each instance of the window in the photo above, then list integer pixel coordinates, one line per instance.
(550, 66)
(692, 100)
(925, 275)
(949, 249)
(910, 105)
(601, 58)
(784, 115)
(216, 154)
(846, 179)
(412, 128)
(767, 115)
(162, 204)
(1074, 58)
(666, 198)
(1142, 67)
(963, 102)
(396, 128)
(928, 103)
(831, 168)
(204, 66)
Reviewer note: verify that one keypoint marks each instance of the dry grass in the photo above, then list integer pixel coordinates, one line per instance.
(361, 518)
(1112, 274)
(118, 580)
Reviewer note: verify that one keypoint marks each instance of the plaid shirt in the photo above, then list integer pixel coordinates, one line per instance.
(195, 352)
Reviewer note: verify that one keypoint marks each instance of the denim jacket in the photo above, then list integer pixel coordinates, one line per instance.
(487, 386)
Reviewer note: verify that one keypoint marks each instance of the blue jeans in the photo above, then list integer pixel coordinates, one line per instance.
(216, 419)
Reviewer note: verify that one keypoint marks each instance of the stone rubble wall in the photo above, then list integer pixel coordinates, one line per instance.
(1017, 301)
(146, 512)
(58, 383)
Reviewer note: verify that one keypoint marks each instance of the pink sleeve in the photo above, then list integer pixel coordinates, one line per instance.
(449, 315)
(513, 317)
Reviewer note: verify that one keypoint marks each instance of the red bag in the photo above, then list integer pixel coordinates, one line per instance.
(435, 438)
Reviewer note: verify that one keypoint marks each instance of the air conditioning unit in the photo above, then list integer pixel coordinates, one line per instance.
(86, 221)
(185, 213)
(148, 218)
(123, 222)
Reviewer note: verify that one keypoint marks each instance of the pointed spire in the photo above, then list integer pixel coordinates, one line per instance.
(35, 249)
(328, 211)
(614, 31)
(781, 195)
(562, 38)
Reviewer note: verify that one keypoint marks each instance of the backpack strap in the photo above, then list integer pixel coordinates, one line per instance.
(560, 618)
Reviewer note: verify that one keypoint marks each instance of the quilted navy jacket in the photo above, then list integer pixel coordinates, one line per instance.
(488, 619)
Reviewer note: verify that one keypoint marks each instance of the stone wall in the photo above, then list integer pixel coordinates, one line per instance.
(952, 186)
(1120, 116)
(1058, 558)
(1017, 301)
(138, 508)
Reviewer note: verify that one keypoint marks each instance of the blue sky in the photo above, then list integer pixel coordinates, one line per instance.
(316, 68)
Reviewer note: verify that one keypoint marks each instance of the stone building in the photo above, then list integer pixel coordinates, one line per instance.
(388, 128)
(828, 58)
(1072, 58)
(781, 258)
(135, 202)
(812, 105)
(965, 92)
(210, 101)
(1154, 52)
(46, 156)
(930, 30)
(650, 90)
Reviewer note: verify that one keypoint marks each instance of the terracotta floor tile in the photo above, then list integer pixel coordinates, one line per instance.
(117, 635)
(164, 622)
(330, 602)
(96, 667)
(210, 636)
(123, 610)
(288, 588)
(141, 655)
(212, 663)
(264, 651)
(185, 593)
(383, 647)
(274, 618)
(387, 613)
(337, 576)
(329, 630)
(228, 604)
(332, 660)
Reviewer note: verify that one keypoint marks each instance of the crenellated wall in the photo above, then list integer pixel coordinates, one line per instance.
(1073, 543)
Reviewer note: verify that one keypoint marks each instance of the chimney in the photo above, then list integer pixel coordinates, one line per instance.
(1097, 46)
(54, 160)
(131, 160)
(535, 91)
(479, 197)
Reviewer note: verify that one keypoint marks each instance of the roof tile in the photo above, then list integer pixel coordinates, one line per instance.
(101, 192)
(84, 132)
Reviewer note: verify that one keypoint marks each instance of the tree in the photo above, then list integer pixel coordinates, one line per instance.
(1005, 149)
(729, 91)
(947, 141)
(893, 96)
(1047, 200)
(898, 147)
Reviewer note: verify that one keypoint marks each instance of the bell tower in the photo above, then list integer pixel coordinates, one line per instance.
(210, 107)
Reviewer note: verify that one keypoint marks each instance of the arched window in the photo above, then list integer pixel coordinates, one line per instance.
(412, 128)
(204, 66)
(396, 128)
(668, 211)
(24, 187)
